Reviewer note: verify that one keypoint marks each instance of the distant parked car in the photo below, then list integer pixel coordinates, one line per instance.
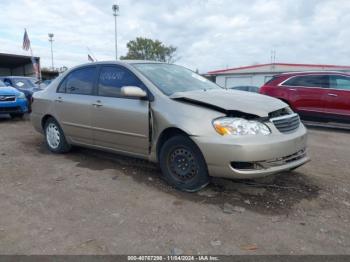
(319, 95)
(168, 114)
(27, 85)
(253, 89)
(12, 101)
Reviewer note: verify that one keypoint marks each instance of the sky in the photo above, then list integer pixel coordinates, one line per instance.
(209, 34)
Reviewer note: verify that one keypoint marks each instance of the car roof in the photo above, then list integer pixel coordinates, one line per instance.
(13, 77)
(314, 73)
(122, 62)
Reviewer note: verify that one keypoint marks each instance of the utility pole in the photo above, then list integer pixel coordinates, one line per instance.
(115, 9)
(51, 35)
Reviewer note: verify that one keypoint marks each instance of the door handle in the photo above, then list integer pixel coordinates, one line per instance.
(292, 89)
(335, 95)
(59, 100)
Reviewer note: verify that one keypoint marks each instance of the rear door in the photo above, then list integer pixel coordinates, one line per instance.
(337, 99)
(306, 93)
(73, 104)
(120, 123)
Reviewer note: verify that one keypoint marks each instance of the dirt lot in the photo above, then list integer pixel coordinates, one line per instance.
(89, 202)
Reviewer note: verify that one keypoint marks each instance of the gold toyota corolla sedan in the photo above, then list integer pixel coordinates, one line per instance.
(168, 114)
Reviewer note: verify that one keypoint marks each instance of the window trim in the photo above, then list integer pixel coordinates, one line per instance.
(282, 84)
(328, 88)
(149, 96)
(74, 70)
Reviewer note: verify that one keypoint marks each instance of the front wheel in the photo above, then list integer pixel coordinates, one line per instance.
(55, 139)
(183, 164)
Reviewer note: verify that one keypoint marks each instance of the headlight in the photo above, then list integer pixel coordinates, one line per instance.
(21, 95)
(239, 126)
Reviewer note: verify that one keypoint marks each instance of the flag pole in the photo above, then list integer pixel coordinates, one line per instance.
(33, 58)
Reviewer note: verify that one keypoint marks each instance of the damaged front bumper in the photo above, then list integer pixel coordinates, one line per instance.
(254, 156)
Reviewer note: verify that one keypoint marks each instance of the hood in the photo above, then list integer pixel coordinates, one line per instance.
(8, 90)
(232, 101)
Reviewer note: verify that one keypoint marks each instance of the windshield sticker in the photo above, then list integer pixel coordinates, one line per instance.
(112, 76)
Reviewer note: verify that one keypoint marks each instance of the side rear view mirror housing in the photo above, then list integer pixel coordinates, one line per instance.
(133, 91)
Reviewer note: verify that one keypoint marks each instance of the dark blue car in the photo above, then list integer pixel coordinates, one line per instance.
(12, 101)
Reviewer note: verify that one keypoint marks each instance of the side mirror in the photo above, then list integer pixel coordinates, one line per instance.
(133, 91)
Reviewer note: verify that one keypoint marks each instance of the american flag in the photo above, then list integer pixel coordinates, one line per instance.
(90, 58)
(26, 41)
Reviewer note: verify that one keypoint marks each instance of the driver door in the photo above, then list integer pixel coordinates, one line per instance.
(120, 123)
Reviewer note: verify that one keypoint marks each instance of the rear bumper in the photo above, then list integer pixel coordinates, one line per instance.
(252, 157)
(19, 106)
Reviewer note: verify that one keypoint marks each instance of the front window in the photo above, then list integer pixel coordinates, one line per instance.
(2, 84)
(340, 82)
(171, 78)
(113, 78)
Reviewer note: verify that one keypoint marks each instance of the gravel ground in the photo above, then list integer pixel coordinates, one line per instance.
(90, 202)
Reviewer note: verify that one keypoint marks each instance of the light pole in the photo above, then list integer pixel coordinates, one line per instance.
(51, 40)
(115, 9)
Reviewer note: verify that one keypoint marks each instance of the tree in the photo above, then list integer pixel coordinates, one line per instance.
(148, 49)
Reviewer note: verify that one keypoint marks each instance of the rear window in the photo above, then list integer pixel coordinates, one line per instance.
(80, 82)
(271, 80)
(308, 81)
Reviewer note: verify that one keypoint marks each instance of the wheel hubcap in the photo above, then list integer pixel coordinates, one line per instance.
(53, 135)
(183, 164)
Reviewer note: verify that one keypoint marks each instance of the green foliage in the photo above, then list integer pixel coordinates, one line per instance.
(148, 49)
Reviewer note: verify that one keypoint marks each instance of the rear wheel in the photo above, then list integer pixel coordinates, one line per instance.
(183, 164)
(55, 139)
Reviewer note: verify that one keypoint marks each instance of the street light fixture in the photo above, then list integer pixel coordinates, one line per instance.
(51, 35)
(115, 9)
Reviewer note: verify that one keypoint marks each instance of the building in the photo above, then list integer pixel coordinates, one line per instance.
(257, 75)
(17, 65)
(47, 74)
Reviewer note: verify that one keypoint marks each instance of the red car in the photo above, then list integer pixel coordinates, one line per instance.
(317, 95)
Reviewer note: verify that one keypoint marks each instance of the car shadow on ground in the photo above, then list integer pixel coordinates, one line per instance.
(4, 119)
(274, 195)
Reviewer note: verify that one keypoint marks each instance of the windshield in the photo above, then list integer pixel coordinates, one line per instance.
(2, 84)
(23, 83)
(171, 78)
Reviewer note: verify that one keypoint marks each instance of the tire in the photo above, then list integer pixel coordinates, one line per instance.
(183, 164)
(54, 137)
(19, 115)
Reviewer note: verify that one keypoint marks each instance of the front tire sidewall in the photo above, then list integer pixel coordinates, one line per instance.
(63, 146)
(200, 180)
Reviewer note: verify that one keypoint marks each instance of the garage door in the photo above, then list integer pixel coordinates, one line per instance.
(238, 81)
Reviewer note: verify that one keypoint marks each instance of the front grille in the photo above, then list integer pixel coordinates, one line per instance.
(7, 98)
(286, 124)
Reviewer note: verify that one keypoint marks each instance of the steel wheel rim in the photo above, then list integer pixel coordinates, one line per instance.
(53, 135)
(182, 163)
